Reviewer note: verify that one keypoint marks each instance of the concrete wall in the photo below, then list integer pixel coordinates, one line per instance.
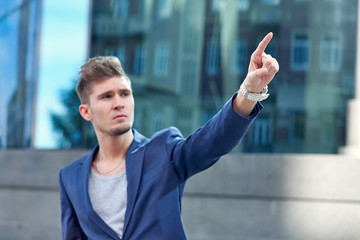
(252, 197)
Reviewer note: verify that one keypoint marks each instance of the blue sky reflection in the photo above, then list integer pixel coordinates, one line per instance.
(63, 50)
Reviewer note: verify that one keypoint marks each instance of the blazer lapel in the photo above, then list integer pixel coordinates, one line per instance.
(84, 194)
(134, 164)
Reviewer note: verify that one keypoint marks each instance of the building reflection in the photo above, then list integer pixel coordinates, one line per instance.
(19, 34)
(186, 58)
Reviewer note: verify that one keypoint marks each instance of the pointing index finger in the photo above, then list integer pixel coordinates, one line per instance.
(263, 44)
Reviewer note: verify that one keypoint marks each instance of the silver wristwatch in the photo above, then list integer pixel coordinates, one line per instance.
(254, 96)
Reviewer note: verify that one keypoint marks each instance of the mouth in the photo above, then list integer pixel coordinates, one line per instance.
(119, 117)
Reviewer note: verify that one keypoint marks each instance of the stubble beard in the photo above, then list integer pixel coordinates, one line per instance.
(118, 131)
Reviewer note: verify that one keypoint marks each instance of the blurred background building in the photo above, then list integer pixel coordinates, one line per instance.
(20, 25)
(186, 59)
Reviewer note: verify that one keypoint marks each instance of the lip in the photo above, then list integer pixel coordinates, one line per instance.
(119, 116)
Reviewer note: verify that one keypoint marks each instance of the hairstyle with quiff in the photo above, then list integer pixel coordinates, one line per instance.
(97, 69)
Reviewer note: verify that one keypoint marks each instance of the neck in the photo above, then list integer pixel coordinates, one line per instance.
(113, 148)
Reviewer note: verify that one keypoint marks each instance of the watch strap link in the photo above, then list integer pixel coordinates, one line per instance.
(256, 97)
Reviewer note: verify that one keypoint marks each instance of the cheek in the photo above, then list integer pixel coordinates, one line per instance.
(132, 109)
(99, 111)
(131, 104)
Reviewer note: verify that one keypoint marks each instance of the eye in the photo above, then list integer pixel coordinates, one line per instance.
(106, 96)
(124, 94)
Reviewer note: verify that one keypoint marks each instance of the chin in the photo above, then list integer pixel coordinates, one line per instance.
(120, 130)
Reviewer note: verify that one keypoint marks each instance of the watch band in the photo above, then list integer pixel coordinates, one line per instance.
(254, 96)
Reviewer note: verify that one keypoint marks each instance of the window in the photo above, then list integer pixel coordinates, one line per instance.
(330, 55)
(139, 59)
(212, 56)
(238, 57)
(162, 55)
(120, 7)
(184, 120)
(118, 52)
(272, 48)
(121, 54)
(139, 116)
(165, 8)
(300, 52)
(157, 118)
(188, 75)
(261, 132)
(297, 127)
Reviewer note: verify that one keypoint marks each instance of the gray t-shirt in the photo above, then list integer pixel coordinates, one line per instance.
(108, 196)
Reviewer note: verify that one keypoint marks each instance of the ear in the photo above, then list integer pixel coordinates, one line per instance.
(85, 112)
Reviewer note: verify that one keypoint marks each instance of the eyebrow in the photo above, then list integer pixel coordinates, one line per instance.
(111, 91)
(104, 93)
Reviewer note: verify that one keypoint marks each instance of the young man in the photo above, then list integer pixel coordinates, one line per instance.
(129, 186)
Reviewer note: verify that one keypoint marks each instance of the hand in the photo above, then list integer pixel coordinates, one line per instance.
(262, 67)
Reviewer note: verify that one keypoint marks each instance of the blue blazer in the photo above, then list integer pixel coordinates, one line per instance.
(157, 170)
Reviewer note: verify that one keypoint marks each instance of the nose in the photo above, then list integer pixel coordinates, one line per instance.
(118, 103)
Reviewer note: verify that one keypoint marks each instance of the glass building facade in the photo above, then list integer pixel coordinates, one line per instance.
(187, 58)
(19, 51)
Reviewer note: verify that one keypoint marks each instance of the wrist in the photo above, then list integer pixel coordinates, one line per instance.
(251, 88)
(242, 105)
(255, 96)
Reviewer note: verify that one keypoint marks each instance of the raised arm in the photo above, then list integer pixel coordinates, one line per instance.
(262, 69)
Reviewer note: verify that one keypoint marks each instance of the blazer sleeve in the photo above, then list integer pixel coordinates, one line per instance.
(208, 143)
(71, 229)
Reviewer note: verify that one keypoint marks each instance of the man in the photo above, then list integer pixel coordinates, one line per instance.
(129, 186)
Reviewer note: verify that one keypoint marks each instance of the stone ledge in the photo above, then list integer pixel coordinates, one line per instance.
(324, 177)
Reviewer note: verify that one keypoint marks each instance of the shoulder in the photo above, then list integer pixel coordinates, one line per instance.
(165, 138)
(168, 133)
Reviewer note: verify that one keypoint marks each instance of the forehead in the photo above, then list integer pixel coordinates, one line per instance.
(110, 84)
